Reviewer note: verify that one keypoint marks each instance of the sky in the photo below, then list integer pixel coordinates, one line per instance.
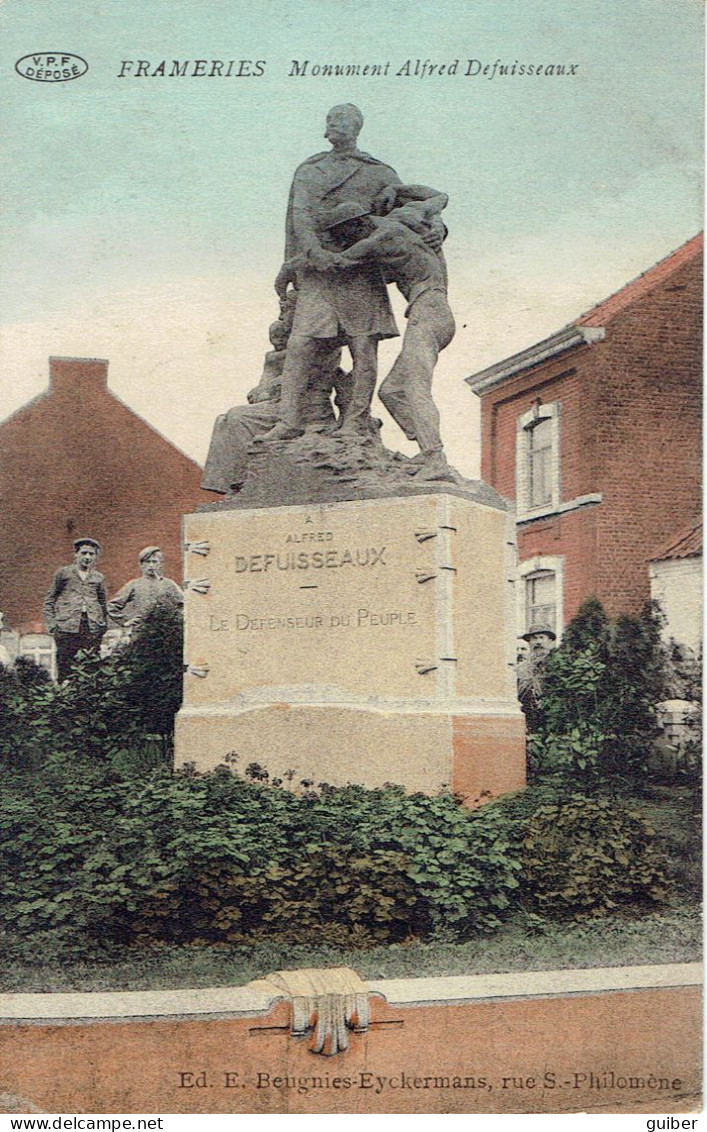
(144, 216)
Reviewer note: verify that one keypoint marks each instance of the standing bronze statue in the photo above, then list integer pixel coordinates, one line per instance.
(352, 228)
(351, 310)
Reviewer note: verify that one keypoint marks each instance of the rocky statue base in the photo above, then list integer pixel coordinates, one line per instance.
(364, 640)
(326, 466)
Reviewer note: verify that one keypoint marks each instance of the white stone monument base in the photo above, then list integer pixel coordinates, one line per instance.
(476, 756)
(365, 642)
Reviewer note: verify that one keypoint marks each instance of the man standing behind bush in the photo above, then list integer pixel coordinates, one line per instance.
(130, 606)
(75, 606)
(531, 672)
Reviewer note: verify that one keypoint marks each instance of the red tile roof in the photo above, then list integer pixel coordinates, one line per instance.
(589, 326)
(688, 545)
(600, 314)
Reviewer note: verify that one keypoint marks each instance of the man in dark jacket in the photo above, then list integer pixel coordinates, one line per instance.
(75, 606)
(531, 673)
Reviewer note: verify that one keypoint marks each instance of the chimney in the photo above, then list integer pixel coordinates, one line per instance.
(74, 374)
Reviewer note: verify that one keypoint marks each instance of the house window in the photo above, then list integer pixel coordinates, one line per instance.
(541, 600)
(40, 648)
(540, 593)
(538, 460)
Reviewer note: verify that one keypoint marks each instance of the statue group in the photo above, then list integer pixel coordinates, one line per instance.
(352, 228)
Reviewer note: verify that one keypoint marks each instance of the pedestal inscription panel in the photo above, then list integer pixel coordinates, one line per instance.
(326, 596)
(365, 641)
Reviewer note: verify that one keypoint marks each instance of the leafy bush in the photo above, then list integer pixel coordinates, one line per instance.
(127, 702)
(587, 855)
(571, 736)
(213, 858)
(25, 690)
(152, 672)
(600, 690)
(91, 857)
(635, 683)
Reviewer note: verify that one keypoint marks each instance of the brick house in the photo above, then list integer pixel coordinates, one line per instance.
(76, 461)
(595, 433)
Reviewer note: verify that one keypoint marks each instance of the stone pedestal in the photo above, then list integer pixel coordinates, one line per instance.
(368, 641)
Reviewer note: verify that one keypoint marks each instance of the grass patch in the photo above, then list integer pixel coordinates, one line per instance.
(675, 813)
(524, 943)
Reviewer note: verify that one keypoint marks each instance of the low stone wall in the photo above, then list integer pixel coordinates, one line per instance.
(600, 1040)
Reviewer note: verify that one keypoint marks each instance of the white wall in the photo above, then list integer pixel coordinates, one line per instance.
(677, 585)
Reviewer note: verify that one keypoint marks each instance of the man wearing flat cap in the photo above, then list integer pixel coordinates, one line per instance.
(131, 605)
(75, 606)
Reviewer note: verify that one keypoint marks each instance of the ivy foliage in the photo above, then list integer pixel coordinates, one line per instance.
(101, 848)
(213, 858)
(93, 857)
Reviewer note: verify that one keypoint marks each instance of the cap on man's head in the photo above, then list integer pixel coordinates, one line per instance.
(341, 213)
(147, 552)
(79, 542)
(539, 630)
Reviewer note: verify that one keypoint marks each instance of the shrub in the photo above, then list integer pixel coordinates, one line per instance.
(30, 675)
(634, 683)
(587, 855)
(571, 737)
(598, 715)
(212, 858)
(25, 692)
(152, 667)
(125, 703)
(92, 858)
(349, 866)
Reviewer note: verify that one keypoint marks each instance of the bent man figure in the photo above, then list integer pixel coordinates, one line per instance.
(395, 242)
(332, 310)
(75, 606)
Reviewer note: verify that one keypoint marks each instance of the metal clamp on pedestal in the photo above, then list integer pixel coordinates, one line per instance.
(202, 548)
(425, 575)
(198, 585)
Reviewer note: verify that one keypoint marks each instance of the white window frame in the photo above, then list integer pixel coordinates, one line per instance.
(524, 429)
(34, 649)
(540, 564)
